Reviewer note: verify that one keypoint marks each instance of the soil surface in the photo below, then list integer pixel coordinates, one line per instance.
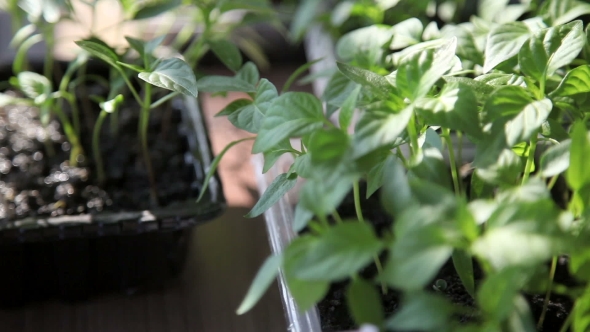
(334, 314)
(34, 181)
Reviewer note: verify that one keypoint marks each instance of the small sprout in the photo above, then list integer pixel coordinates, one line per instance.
(439, 285)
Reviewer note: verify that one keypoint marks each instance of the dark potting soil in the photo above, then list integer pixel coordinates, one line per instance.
(334, 314)
(35, 183)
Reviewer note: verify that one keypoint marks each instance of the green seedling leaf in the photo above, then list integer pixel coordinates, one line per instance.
(248, 115)
(577, 175)
(152, 9)
(564, 11)
(322, 196)
(100, 51)
(480, 89)
(173, 74)
(364, 302)
(35, 86)
(504, 42)
(464, 266)
(368, 41)
(227, 52)
(328, 146)
(551, 49)
(467, 48)
(271, 156)
(338, 253)
(338, 89)
(215, 83)
(215, 163)
(377, 129)
(505, 171)
(264, 278)
(6, 100)
(418, 74)
(376, 82)
(396, 195)
(306, 292)
(556, 159)
(454, 108)
(347, 109)
(298, 73)
(405, 33)
(415, 307)
(292, 114)
(275, 191)
(248, 73)
(376, 176)
(496, 294)
(576, 81)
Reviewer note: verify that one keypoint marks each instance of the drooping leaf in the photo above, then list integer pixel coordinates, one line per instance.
(364, 302)
(173, 74)
(550, 49)
(338, 253)
(227, 52)
(376, 129)
(275, 191)
(264, 278)
(290, 115)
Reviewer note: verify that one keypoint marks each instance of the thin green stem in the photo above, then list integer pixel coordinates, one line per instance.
(413, 136)
(132, 89)
(401, 156)
(552, 181)
(164, 99)
(337, 217)
(144, 119)
(361, 218)
(96, 146)
(76, 148)
(530, 161)
(454, 169)
(48, 37)
(548, 293)
(460, 149)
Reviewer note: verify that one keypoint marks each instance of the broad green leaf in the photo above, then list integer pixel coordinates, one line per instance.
(467, 48)
(575, 81)
(463, 264)
(348, 107)
(322, 196)
(364, 302)
(264, 278)
(155, 8)
(455, 108)
(292, 114)
(307, 292)
(338, 253)
(227, 52)
(367, 40)
(275, 191)
(429, 165)
(338, 89)
(248, 73)
(516, 244)
(490, 9)
(215, 83)
(396, 195)
(504, 42)
(421, 311)
(377, 129)
(173, 74)
(248, 115)
(271, 156)
(550, 49)
(405, 33)
(416, 76)
(328, 146)
(302, 166)
(496, 294)
(376, 82)
(100, 51)
(481, 90)
(563, 11)
(505, 171)
(35, 86)
(577, 175)
(376, 176)
(407, 53)
(556, 159)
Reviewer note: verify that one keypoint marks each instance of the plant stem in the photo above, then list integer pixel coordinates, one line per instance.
(413, 135)
(144, 119)
(552, 182)
(359, 214)
(548, 293)
(76, 148)
(454, 169)
(530, 159)
(337, 217)
(96, 146)
(48, 61)
(131, 88)
(164, 99)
